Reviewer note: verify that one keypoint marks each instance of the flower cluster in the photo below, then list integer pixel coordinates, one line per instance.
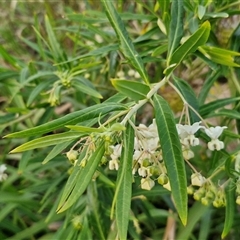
(147, 156)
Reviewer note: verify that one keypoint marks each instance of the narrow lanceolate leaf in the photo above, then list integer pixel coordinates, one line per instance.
(70, 119)
(132, 89)
(214, 105)
(197, 39)
(172, 155)
(176, 26)
(47, 141)
(126, 44)
(123, 192)
(80, 180)
(189, 96)
(230, 208)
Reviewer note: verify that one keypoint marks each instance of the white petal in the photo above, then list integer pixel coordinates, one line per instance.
(214, 132)
(147, 183)
(167, 186)
(197, 179)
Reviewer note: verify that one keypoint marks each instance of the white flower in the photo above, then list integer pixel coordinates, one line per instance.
(187, 153)
(116, 151)
(143, 171)
(186, 133)
(149, 132)
(3, 176)
(214, 133)
(147, 183)
(197, 179)
(113, 164)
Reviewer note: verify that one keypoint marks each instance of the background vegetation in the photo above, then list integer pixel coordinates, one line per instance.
(61, 57)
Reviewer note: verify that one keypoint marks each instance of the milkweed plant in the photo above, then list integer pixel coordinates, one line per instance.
(138, 129)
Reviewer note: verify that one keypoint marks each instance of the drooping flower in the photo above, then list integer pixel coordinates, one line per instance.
(197, 179)
(3, 176)
(147, 183)
(116, 151)
(186, 133)
(113, 163)
(214, 133)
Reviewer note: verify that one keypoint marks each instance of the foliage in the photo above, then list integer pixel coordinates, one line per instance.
(114, 121)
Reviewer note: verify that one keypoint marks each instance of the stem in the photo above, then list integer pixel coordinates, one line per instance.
(140, 103)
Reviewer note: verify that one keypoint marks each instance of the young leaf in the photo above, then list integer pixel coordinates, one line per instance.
(230, 208)
(82, 179)
(69, 119)
(197, 39)
(132, 89)
(123, 191)
(172, 155)
(176, 27)
(220, 55)
(126, 44)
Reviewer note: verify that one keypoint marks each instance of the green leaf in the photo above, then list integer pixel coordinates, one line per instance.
(220, 55)
(196, 211)
(159, 50)
(82, 87)
(36, 92)
(81, 179)
(214, 105)
(230, 208)
(228, 113)
(47, 141)
(123, 193)
(69, 119)
(197, 39)
(126, 44)
(132, 89)
(176, 27)
(189, 96)
(56, 150)
(208, 83)
(172, 155)
(55, 47)
(84, 129)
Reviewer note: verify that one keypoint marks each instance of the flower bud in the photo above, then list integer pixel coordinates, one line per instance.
(154, 171)
(147, 183)
(205, 201)
(77, 222)
(190, 190)
(72, 155)
(238, 200)
(163, 179)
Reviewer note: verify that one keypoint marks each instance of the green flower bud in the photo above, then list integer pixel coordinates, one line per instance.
(210, 195)
(72, 155)
(205, 201)
(77, 222)
(154, 170)
(117, 127)
(146, 162)
(163, 179)
(190, 190)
